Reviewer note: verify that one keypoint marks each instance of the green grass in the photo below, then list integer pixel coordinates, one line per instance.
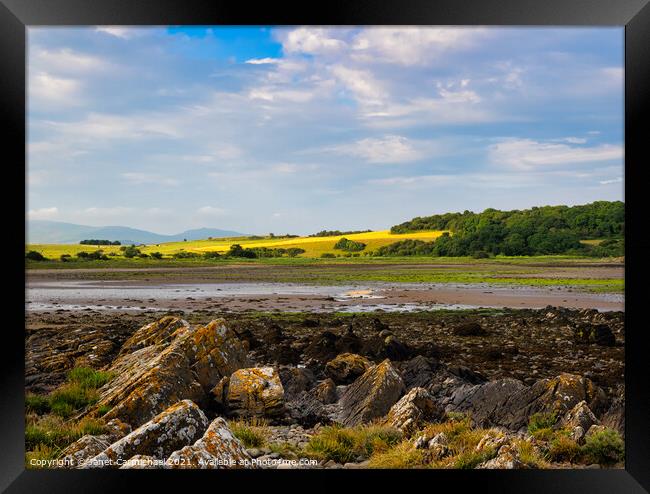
(344, 445)
(55, 432)
(539, 421)
(78, 392)
(604, 447)
(252, 433)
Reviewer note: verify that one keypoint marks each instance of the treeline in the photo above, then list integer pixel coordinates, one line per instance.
(94, 241)
(237, 250)
(336, 233)
(535, 231)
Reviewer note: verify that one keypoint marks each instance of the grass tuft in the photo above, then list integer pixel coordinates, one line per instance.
(346, 444)
(251, 432)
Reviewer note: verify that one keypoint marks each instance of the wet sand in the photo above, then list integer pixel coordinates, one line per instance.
(236, 297)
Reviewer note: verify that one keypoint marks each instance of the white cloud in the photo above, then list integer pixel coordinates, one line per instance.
(271, 94)
(102, 126)
(412, 45)
(361, 83)
(388, 149)
(527, 154)
(42, 213)
(117, 31)
(138, 178)
(67, 61)
(311, 41)
(45, 90)
(263, 61)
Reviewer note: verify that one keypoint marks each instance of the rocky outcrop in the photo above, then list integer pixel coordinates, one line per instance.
(509, 403)
(255, 392)
(345, 368)
(579, 419)
(295, 380)
(325, 391)
(371, 395)
(414, 409)
(418, 372)
(217, 449)
(179, 425)
(168, 361)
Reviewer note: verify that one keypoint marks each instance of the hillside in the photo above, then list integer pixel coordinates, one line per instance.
(55, 232)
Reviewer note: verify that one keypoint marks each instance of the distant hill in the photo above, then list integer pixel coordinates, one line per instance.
(55, 232)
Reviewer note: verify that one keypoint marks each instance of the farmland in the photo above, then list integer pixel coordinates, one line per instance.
(313, 246)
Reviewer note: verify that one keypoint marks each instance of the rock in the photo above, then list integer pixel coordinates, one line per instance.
(509, 403)
(168, 361)
(75, 454)
(420, 442)
(579, 419)
(467, 374)
(295, 380)
(600, 334)
(308, 411)
(220, 392)
(371, 395)
(418, 372)
(506, 460)
(348, 342)
(255, 392)
(356, 466)
(322, 347)
(493, 440)
(614, 417)
(378, 326)
(439, 439)
(577, 434)
(143, 462)
(469, 329)
(413, 410)
(325, 391)
(217, 449)
(177, 426)
(594, 429)
(345, 368)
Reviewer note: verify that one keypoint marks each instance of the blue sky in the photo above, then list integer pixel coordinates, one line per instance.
(298, 129)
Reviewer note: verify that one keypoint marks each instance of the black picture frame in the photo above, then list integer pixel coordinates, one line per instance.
(634, 15)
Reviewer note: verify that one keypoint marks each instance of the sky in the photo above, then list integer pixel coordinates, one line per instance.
(299, 129)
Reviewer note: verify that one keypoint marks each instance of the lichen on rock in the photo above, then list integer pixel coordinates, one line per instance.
(217, 449)
(371, 395)
(255, 392)
(179, 425)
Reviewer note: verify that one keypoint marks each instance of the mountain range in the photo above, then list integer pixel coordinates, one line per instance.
(56, 232)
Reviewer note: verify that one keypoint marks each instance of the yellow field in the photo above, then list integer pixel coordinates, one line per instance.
(313, 246)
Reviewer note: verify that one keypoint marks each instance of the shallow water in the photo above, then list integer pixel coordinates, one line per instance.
(117, 296)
